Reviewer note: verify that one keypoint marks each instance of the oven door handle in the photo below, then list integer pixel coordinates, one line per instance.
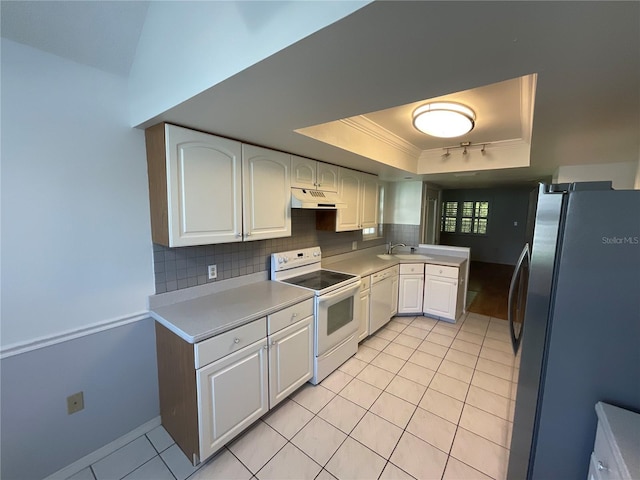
(342, 291)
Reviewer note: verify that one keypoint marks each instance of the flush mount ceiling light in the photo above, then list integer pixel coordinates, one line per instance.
(444, 120)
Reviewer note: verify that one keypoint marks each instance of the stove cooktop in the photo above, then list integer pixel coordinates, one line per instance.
(319, 280)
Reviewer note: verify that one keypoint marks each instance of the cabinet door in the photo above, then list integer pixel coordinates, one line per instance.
(303, 172)
(266, 193)
(363, 315)
(394, 294)
(410, 294)
(370, 200)
(290, 359)
(232, 394)
(440, 296)
(204, 188)
(349, 185)
(327, 177)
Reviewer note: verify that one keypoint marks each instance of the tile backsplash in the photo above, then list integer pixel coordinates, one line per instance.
(407, 234)
(183, 267)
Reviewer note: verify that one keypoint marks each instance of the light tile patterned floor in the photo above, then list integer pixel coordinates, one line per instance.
(421, 399)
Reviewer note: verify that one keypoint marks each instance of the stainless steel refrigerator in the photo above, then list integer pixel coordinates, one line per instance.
(574, 313)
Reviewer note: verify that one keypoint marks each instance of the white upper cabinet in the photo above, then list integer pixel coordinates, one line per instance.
(195, 187)
(205, 189)
(327, 177)
(360, 192)
(266, 193)
(313, 175)
(369, 201)
(349, 186)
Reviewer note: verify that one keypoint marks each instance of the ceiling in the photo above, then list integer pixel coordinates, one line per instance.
(386, 58)
(95, 33)
(496, 108)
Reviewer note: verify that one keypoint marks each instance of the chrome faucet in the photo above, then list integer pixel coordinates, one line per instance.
(392, 246)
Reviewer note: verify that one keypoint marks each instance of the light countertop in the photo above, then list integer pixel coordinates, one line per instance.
(364, 265)
(208, 315)
(203, 317)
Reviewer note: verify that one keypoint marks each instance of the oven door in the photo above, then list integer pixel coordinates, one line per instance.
(335, 319)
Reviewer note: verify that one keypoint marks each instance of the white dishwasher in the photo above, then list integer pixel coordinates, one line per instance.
(382, 296)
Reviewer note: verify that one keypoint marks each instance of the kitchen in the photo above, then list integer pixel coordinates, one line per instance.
(106, 199)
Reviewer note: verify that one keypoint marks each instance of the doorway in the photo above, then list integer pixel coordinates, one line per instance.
(490, 283)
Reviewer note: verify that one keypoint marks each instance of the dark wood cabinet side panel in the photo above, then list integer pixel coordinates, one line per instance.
(326, 220)
(178, 391)
(157, 173)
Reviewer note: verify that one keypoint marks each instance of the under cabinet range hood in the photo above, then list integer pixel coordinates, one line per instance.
(315, 199)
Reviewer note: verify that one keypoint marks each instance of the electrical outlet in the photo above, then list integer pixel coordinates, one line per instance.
(213, 272)
(354, 245)
(75, 402)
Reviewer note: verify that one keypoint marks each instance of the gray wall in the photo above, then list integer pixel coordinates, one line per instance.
(503, 241)
(116, 370)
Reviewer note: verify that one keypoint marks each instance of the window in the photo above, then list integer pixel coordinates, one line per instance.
(449, 217)
(472, 217)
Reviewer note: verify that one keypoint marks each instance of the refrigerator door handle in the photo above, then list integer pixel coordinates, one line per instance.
(524, 254)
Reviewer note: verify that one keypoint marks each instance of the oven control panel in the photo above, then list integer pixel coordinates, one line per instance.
(295, 258)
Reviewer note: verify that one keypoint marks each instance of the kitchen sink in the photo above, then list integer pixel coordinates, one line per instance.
(409, 256)
(412, 256)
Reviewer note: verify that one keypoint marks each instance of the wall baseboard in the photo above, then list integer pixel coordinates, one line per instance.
(102, 452)
(23, 347)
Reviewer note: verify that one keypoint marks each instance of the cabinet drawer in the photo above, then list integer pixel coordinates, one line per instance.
(411, 268)
(366, 283)
(221, 345)
(441, 271)
(603, 455)
(290, 315)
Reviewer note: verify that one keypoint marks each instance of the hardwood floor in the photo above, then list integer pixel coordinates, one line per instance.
(491, 282)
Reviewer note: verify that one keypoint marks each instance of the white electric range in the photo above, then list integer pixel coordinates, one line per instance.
(334, 305)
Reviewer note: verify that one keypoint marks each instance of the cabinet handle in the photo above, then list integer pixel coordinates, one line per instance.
(238, 235)
(273, 343)
(236, 340)
(295, 315)
(602, 466)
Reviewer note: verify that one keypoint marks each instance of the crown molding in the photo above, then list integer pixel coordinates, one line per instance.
(374, 130)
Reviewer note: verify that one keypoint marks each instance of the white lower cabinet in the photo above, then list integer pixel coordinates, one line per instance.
(362, 308)
(232, 394)
(411, 288)
(290, 359)
(213, 390)
(442, 291)
(615, 450)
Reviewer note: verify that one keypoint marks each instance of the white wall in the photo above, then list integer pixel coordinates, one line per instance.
(402, 203)
(622, 174)
(76, 242)
(636, 185)
(188, 47)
